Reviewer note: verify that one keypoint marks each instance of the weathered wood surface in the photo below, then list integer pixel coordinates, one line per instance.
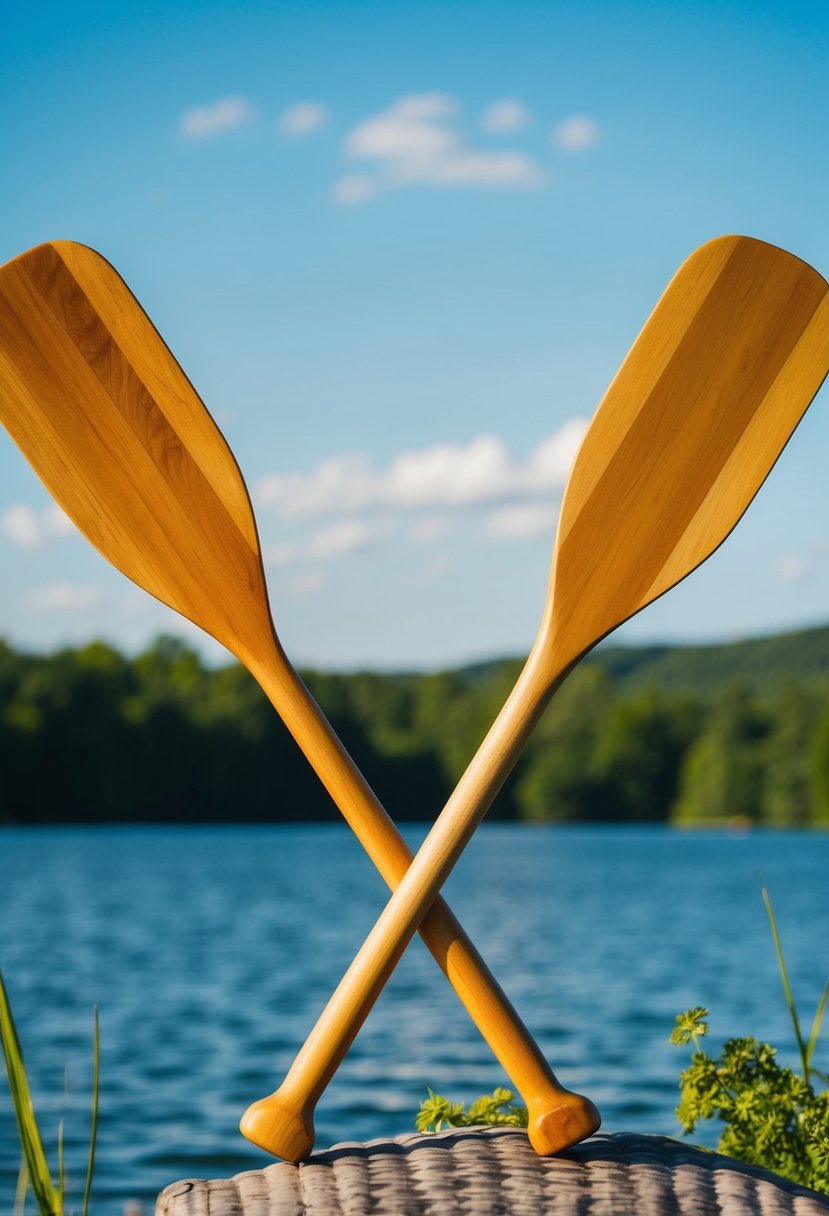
(494, 1172)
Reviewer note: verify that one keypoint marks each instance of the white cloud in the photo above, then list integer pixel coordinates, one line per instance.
(576, 133)
(227, 114)
(416, 141)
(425, 107)
(349, 536)
(354, 188)
(448, 474)
(520, 521)
(790, 568)
(505, 115)
(303, 118)
(21, 525)
(412, 127)
(61, 596)
(550, 462)
(338, 539)
(445, 475)
(30, 529)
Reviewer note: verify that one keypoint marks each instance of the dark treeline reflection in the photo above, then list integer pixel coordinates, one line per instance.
(88, 735)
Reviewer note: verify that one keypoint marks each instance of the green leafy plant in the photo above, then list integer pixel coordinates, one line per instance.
(773, 1117)
(34, 1170)
(496, 1109)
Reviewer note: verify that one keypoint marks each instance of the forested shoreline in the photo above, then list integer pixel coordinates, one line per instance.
(688, 736)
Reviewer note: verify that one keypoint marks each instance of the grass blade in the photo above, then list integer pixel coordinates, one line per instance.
(816, 1024)
(20, 1191)
(30, 1140)
(61, 1169)
(93, 1134)
(787, 991)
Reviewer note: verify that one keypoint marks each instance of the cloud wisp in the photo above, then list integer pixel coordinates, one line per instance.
(577, 133)
(216, 118)
(417, 141)
(504, 116)
(301, 119)
(28, 528)
(443, 476)
(795, 567)
(61, 596)
(790, 568)
(461, 494)
(339, 539)
(520, 520)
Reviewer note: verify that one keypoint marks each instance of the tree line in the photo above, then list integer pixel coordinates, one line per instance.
(88, 735)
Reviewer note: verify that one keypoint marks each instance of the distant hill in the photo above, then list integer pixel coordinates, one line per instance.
(92, 736)
(765, 664)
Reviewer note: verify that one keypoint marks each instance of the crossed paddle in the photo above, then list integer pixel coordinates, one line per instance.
(685, 436)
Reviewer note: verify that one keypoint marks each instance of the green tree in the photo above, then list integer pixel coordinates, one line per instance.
(559, 780)
(788, 795)
(638, 755)
(721, 776)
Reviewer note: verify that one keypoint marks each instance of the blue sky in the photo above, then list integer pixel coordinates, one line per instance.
(401, 250)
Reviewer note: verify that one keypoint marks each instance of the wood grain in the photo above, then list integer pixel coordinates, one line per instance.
(691, 445)
(688, 431)
(107, 418)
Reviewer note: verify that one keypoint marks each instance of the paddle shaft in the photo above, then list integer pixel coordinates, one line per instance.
(479, 991)
(283, 1123)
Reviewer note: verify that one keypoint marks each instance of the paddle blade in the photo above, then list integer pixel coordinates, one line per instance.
(113, 427)
(686, 434)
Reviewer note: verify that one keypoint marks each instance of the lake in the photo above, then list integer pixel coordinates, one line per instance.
(210, 952)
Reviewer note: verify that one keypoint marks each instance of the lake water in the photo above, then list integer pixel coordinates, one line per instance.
(211, 951)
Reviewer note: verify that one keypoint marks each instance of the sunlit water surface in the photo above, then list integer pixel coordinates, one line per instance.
(210, 953)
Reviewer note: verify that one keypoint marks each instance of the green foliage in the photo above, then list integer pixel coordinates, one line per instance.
(722, 774)
(559, 779)
(772, 1117)
(766, 665)
(88, 735)
(35, 1168)
(639, 753)
(690, 1027)
(496, 1109)
(787, 796)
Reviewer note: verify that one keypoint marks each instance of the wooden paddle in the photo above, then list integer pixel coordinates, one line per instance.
(111, 424)
(685, 436)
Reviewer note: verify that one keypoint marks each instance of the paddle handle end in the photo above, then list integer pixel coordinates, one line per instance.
(558, 1124)
(276, 1125)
